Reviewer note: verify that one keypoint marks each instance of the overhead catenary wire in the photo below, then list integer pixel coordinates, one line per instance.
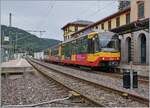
(101, 10)
(52, 4)
(47, 14)
(107, 6)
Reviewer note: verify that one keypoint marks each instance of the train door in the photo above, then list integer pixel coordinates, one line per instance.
(90, 46)
(93, 45)
(96, 44)
(68, 52)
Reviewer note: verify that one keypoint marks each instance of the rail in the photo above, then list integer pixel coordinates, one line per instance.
(129, 95)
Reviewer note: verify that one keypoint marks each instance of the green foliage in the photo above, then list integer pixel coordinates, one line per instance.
(26, 41)
(123, 4)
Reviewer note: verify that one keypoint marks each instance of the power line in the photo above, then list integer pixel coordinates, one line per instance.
(100, 10)
(40, 31)
(47, 14)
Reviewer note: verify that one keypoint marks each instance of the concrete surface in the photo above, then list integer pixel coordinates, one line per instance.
(16, 63)
(16, 66)
(142, 70)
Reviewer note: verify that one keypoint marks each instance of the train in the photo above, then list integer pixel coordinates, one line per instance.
(95, 49)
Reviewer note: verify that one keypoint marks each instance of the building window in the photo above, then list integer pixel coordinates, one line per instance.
(117, 21)
(102, 26)
(129, 49)
(127, 18)
(140, 9)
(76, 28)
(96, 27)
(143, 48)
(67, 29)
(109, 25)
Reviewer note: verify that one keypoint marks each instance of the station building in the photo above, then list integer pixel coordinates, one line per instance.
(132, 25)
(73, 27)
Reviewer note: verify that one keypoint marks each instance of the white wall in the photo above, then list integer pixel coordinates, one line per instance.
(39, 55)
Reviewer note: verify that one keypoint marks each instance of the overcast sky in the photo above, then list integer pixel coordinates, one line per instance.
(52, 15)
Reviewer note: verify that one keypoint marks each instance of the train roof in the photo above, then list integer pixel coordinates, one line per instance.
(103, 33)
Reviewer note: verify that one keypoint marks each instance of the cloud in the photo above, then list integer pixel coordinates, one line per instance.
(52, 15)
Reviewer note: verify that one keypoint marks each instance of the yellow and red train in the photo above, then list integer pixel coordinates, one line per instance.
(94, 50)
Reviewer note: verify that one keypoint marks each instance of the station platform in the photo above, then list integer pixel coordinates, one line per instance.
(16, 66)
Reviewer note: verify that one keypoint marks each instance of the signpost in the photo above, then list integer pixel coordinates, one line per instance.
(6, 38)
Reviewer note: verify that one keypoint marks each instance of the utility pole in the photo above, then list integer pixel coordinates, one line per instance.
(10, 37)
(16, 43)
(10, 19)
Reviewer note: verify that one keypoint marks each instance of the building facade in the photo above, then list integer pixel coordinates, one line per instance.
(113, 21)
(140, 9)
(73, 27)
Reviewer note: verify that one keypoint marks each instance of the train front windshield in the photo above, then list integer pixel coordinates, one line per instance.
(108, 41)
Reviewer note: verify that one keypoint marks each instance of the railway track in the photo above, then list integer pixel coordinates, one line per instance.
(51, 76)
(100, 94)
(141, 79)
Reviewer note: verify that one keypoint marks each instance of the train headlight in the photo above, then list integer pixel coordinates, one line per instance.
(103, 58)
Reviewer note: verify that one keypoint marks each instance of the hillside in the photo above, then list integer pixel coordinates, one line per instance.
(26, 41)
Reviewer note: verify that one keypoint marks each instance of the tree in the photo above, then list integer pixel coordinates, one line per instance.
(123, 4)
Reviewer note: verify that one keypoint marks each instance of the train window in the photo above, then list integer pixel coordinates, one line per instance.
(54, 51)
(79, 46)
(74, 47)
(65, 49)
(90, 46)
(85, 46)
(68, 49)
(62, 50)
(71, 48)
(96, 44)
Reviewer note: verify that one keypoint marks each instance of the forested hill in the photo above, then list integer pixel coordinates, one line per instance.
(26, 41)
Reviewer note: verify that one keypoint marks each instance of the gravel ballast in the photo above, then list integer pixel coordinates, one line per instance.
(33, 88)
(100, 95)
(142, 90)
